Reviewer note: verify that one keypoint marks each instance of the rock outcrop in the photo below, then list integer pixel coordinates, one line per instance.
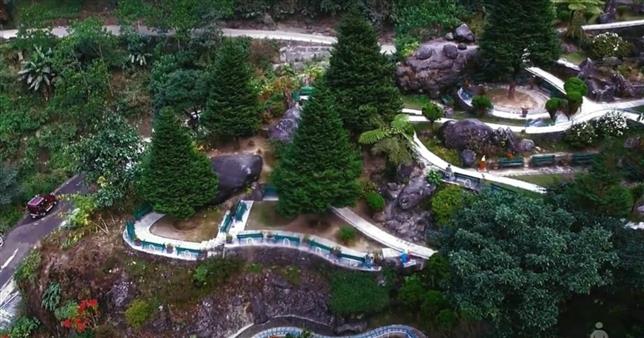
(285, 128)
(604, 83)
(434, 67)
(235, 173)
(474, 135)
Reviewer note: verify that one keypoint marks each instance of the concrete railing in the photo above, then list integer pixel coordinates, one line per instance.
(382, 332)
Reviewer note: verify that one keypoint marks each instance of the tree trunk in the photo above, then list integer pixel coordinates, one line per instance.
(512, 89)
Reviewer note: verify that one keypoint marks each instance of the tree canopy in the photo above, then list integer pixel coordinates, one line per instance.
(514, 259)
(360, 77)
(232, 110)
(518, 33)
(176, 178)
(319, 169)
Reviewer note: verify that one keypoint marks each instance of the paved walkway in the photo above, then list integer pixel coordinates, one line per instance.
(381, 236)
(613, 25)
(433, 160)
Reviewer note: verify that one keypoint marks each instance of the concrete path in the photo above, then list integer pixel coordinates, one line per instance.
(381, 236)
(432, 159)
(381, 332)
(613, 25)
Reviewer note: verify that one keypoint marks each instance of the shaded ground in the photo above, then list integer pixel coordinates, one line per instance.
(499, 97)
(546, 180)
(203, 226)
(264, 216)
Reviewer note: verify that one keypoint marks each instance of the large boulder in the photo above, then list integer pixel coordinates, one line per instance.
(285, 128)
(435, 67)
(468, 158)
(416, 190)
(466, 134)
(525, 146)
(463, 33)
(235, 173)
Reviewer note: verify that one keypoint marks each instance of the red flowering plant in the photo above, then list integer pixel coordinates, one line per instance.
(78, 317)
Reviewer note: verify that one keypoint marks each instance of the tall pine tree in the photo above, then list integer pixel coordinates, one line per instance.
(319, 169)
(360, 77)
(518, 33)
(232, 110)
(176, 178)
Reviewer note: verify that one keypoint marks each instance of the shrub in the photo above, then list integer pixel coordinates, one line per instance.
(347, 234)
(553, 105)
(481, 104)
(434, 177)
(51, 297)
(28, 268)
(138, 313)
(356, 293)
(612, 124)
(447, 202)
(424, 19)
(214, 271)
(581, 135)
(406, 46)
(446, 319)
(375, 201)
(24, 327)
(432, 112)
(609, 44)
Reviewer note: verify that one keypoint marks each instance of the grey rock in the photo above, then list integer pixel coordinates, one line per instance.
(449, 36)
(121, 294)
(235, 173)
(468, 158)
(463, 33)
(450, 51)
(640, 210)
(267, 19)
(416, 190)
(525, 146)
(465, 134)
(285, 128)
(424, 52)
(633, 142)
(461, 46)
(611, 61)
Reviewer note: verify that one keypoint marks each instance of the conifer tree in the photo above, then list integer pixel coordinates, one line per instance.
(176, 178)
(232, 110)
(360, 77)
(319, 169)
(517, 34)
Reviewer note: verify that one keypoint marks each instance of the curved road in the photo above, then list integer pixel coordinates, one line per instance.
(23, 237)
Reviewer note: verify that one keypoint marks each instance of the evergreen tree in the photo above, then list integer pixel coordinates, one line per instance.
(518, 33)
(232, 109)
(319, 169)
(176, 178)
(360, 77)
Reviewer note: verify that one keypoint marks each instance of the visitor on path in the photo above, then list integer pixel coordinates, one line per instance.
(449, 172)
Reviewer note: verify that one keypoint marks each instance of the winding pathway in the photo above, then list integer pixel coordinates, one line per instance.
(613, 25)
(381, 332)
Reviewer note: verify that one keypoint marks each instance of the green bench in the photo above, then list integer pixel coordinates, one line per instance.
(321, 246)
(255, 235)
(542, 161)
(352, 257)
(582, 158)
(510, 162)
(278, 238)
(228, 221)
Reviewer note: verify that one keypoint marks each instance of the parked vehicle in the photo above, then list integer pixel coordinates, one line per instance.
(40, 205)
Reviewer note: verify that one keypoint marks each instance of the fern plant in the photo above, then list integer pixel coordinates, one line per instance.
(51, 297)
(38, 73)
(393, 140)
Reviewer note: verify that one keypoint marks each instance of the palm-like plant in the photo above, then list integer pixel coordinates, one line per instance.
(393, 140)
(37, 72)
(578, 10)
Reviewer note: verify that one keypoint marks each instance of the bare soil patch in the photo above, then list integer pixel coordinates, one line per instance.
(203, 226)
(499, 96)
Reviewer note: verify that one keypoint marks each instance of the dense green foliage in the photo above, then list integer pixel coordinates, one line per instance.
(8, 184)
(51, 297)
(514, 259)
(356, 293)
(432, 112)
(447, 202)
(214, 271)
(184, 90)
(360, 77)
(393, 140)
(575, 89)
(516, 34)
(26, 271)
(481, 104)
(109, 158)
(319, 169)
(553, 105)
(232, 110)
(375, 201)
(347, 234)
(176, 178)
(24, 327)
(138, 313)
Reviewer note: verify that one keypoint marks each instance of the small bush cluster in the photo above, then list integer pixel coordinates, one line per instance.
(609, 44)
(481, 104)
(434, 177)
(28, 268)
(375, 201)
(138, 313)
(447, 202)
(586, 134)
(24, 327)
(347, 234)
(356, 293)
(214, 271)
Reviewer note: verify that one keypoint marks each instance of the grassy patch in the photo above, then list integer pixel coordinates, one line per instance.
(264, 214)
(413, 101)
(39, 12)
(545, 180)
(576, 57)
(449, 155)
(292, 274)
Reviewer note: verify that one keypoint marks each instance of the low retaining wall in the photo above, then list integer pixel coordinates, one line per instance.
(382, 332)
